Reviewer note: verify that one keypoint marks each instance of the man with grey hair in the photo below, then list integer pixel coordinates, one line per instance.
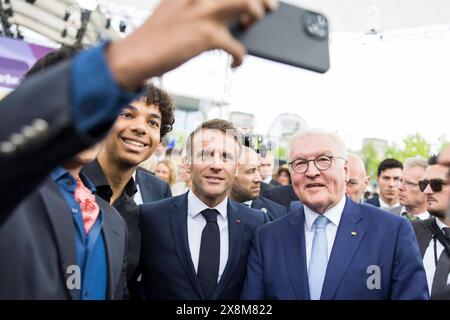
(411, 198)
(358, 179)
(331, 247)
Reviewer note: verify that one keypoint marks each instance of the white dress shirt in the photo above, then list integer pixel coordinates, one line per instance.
(137, 196)
(334, 215)
(384, 205)
(428, 259)
(423, 216)
(196, 222)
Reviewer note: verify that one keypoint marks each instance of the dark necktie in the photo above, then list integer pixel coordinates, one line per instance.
(209, 259)
(442, 268)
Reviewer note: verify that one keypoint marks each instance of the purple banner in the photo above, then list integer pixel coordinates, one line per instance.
(16, 57)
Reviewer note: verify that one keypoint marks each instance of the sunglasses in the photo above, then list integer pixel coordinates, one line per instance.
(435, 184)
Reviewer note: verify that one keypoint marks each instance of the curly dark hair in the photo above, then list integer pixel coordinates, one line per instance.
(160, 98)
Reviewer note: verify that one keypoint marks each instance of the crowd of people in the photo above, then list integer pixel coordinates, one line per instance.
(82, 218)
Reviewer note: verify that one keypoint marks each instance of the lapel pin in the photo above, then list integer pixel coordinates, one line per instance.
(237, 221)
(264, 210)
(353, 233)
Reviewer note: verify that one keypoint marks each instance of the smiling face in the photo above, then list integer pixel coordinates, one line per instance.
(135, 134)
(319, 190)
(213, 165)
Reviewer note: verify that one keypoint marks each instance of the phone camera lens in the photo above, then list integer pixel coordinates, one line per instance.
(316, 25)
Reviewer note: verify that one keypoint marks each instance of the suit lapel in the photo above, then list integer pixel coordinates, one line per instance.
(295, 254)
(345, 246)
(144, 186)
(63, 226)
(111, 234)
(236, 232)
(178, 222)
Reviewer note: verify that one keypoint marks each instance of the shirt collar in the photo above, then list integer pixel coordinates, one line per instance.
(248, 203)
(334, 214)
(440, 224)
(196, 206)
(385, 205)
(423, 216)
(60, 173)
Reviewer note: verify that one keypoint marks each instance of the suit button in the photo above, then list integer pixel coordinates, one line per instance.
(7, 148)
(29, 131)
(17, 139)
(40, 124)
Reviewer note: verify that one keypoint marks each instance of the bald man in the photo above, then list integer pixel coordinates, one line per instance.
(247, 184)
(358, 179)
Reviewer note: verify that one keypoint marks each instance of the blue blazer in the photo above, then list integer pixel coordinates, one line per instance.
(366, 237)
(271, 208)
(167, 269)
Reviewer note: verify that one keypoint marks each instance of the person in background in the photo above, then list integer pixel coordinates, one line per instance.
(411, 197)
(246, 187)
(358, 180)
(433, 234)
(389, 179)
(165, 170)
(283, 177)
(266, 170)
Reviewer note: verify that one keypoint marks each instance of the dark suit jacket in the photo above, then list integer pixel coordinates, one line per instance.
(424, 235)
(42, 105)
(271, 208)
(282, 195)
(37, 245)
(369, 242)
(168, 271)
(152, 188)
(375, 201)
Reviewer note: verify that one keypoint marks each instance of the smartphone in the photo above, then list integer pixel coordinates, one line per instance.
(290, 35)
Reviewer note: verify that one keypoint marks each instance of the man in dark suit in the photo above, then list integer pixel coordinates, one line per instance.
(74, 247)
(433, 234)
(389, 179)
(283, 195)
(331, 247)
(267, 170)
(150, 187)
(246, 187)
(75, 103)
(46, 250)
(132, 140)
(195, 246)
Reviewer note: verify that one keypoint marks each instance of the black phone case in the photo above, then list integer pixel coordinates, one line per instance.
(290, 35)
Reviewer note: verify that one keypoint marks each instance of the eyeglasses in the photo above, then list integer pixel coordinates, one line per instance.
(435, 184)
(321, 163)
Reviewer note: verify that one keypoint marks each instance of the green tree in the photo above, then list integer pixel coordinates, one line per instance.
(369, 156)
(413, 145)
